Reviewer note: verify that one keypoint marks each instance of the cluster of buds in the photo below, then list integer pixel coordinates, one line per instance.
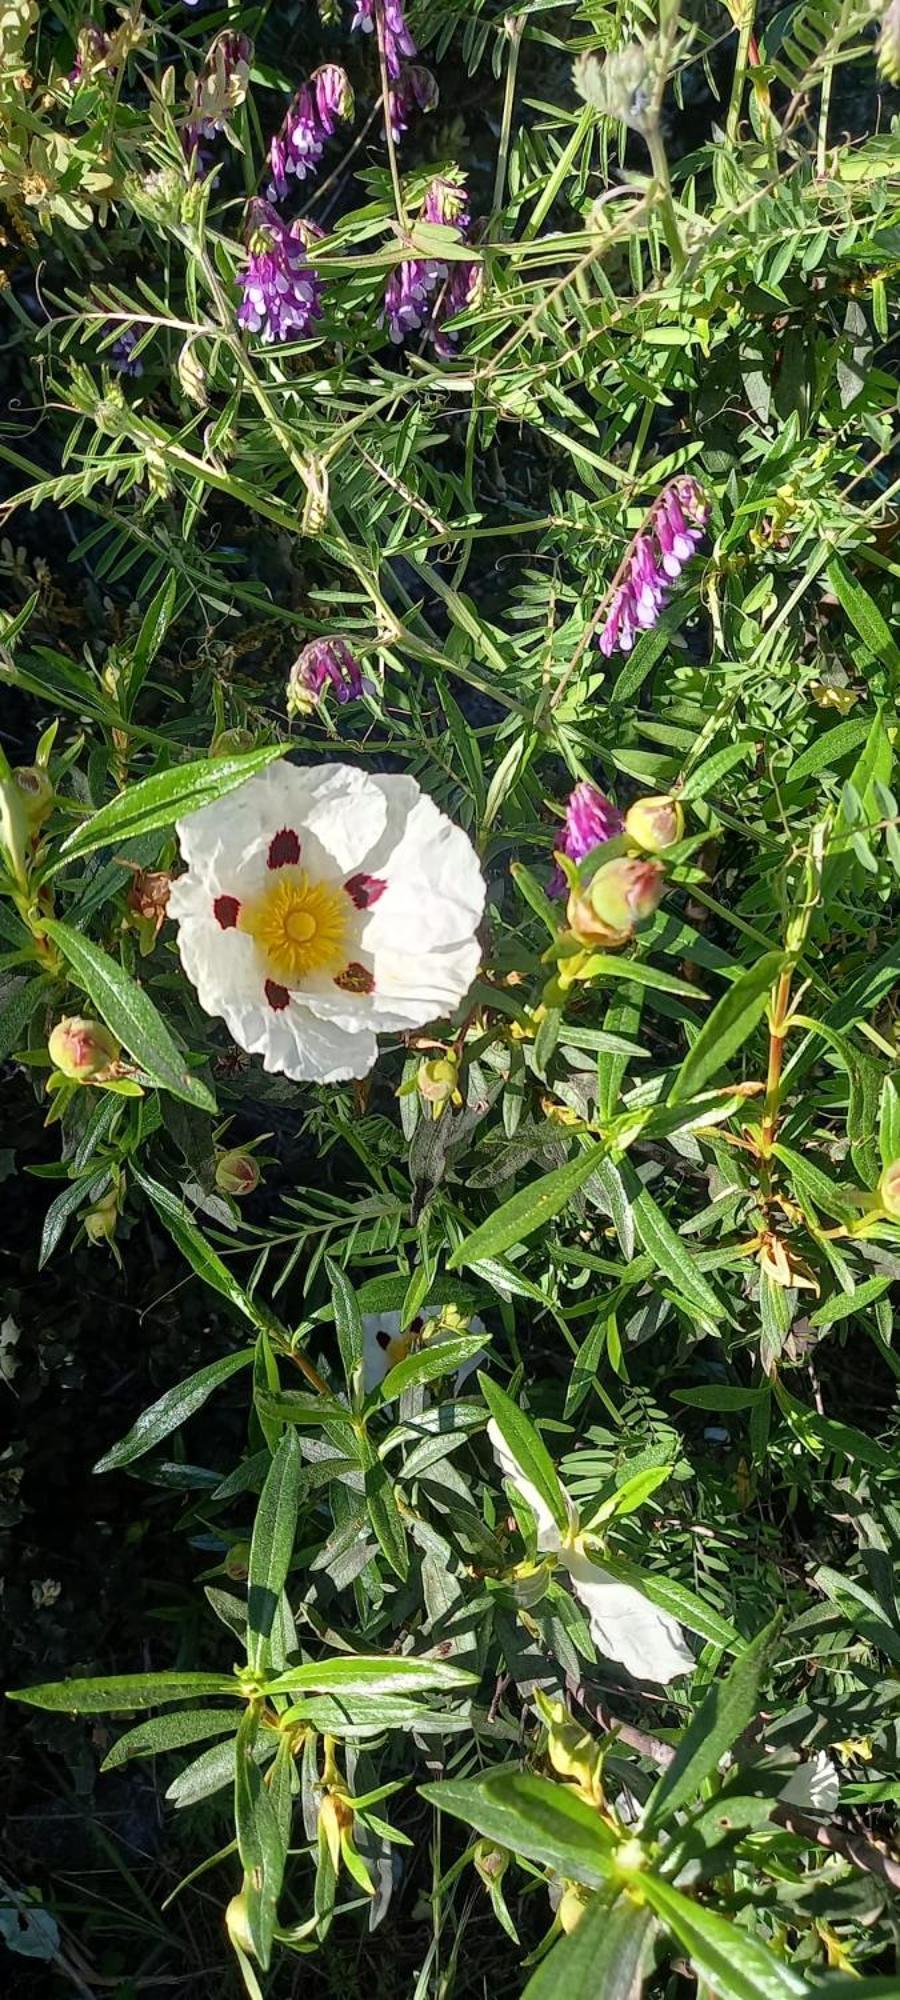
(625, 891)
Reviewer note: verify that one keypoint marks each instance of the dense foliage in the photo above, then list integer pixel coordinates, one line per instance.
(497, 409)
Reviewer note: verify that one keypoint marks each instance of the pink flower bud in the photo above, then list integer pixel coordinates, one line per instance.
(82, 1050)
(655, 824)
(237, 1172)
(889, 1190)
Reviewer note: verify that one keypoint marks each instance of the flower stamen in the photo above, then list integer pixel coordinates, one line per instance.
(299, 927)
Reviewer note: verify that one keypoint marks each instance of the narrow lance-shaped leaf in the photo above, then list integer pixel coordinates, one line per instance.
(272, 1547)
(166, 796)
(731, 1022)
(721, 1718)
(122, 1692)
(527, 1448)
(525, 1212)
(348, 1320)
(531, 1816)
(172, 1409)
(601, 1959)
(131, 1014)
(737, 1965)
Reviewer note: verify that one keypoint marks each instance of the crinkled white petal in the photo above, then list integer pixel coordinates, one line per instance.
(625, 1626)
(814, 1785)
(377, 1361)
(339, 813)
(293, 1043)
(435, 887)
(411, 988)
(548, 1535)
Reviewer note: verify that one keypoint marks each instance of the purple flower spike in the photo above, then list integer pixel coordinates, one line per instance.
(324, 664)
(426, 293)
(398, 41)
(591, 818)
(406, 297)
(656, 559)
(282, 294)
(120, 355)
(312, 116)
(415, 90)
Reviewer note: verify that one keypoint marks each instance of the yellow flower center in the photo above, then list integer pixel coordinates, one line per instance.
(300, 926)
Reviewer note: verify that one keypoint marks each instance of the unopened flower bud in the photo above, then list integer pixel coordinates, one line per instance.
(655, 824)
(589, 928)
(625, 893)
(228, 741)
(37, 794)
(82, 1050)
(889, 1190)
(437, 1082)
(237, 1562)
(490, 1861)
(237, 1172)
(100, 1221)
(324, 665)
(237, 1924)
(574, 1755)
(571, 1909)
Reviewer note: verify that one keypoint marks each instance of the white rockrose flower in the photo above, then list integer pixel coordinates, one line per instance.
(625, 1625)
(384, 1345)
(321, 906)
(813, 1785)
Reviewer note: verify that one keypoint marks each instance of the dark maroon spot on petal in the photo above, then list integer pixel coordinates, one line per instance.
(284, 848)
(355, 979)
(364, 890)
(415, 1326)
(226, 910)
(277, 996)
(383, 1339)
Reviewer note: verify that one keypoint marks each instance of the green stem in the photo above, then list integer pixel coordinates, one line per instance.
(566, 160)
(667, 213)
(515, 30)
(740, 71)
(386, 105)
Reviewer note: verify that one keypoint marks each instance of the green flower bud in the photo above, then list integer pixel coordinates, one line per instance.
(491, 1862)
(237, 1924)
(437, 1082)
(237, 1172)
(37, 794)
(625, 893)
(100, 1221)
(82, 1050)
(571, 1909)
(655, 824)
(587, 926)
(889, 1190)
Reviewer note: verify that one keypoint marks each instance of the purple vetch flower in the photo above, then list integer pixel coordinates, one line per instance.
(311, 118)
(91, 50)
(120, 355)
(426, 292)
(591, 818)
(668, 539)
(282, 295)
(415, 90)
(324, 664)
(397, 40)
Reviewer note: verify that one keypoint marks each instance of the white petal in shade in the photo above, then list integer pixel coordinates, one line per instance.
(548, 1535)
(384, 1346)
(814, 1786)
(625, 1626)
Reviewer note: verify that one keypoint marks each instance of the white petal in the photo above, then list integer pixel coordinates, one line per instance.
(378, 1361)
(435, 892)
(410, 989)
(548, 1535)
(814, 1783)
(338, 812)
(625, 1626)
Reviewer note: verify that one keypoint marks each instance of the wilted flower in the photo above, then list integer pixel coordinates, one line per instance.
(91, 51)
(311, 118)
(101, 1220)
(656, 558)
(591, 819)
(384, 1345)
(324, 664)
(625, 1625)
(391, 21)
(282, 295)
(621, 896)
(414, 90)
(37, 794)
(218, 89)
(322, 906)
(82, 1050)
(655, 823)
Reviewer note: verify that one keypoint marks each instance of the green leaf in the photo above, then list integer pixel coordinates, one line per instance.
(525, 1212)
(889, 1123)
(725, 1030)
(272, 1547)
(348, 1320)
(428, 1364)
(728, 1708)
(122, 1691)
(385, 1516)
(738, 1966)
(864, 614)
(165, 797)
(531, 1816)
(261, 1843)
(527, 1448)
(171, 1732)
(128, 1010)
(199, 1254)
(601, 1959)
(362, 1673)
(709, 774)
(668, 1252)
(156, 622)
(172, 1409)
(21, 998)
(640, 973)
(830, 748)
